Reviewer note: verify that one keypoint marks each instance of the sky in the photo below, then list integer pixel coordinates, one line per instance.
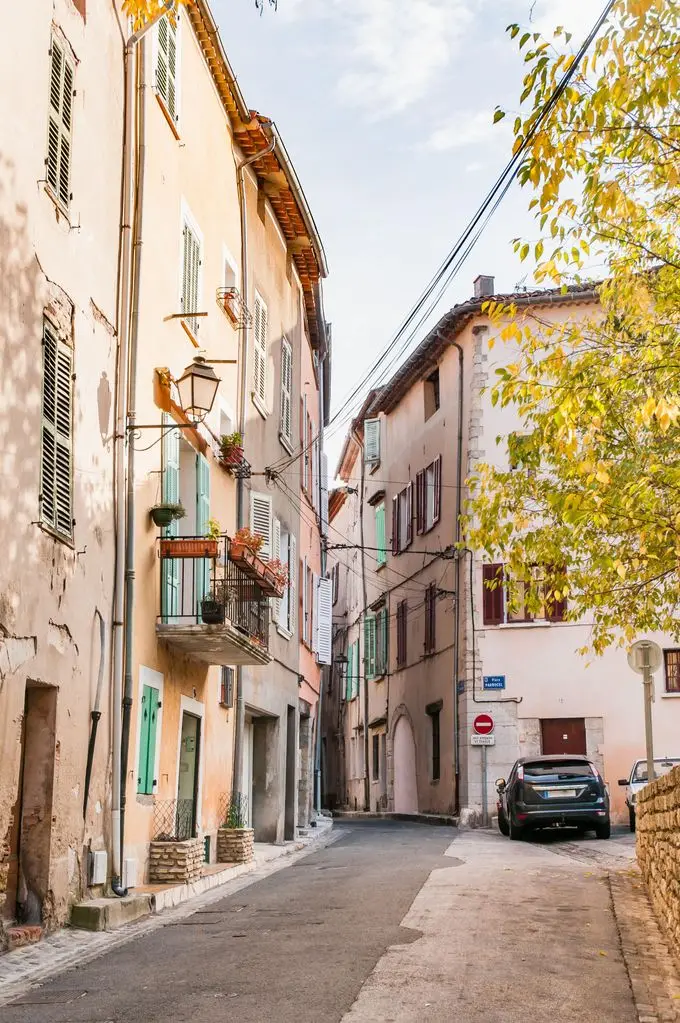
(386, 109)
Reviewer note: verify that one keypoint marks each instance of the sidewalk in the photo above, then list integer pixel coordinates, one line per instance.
(27, 967)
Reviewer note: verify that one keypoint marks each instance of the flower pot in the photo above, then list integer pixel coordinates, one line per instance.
(212, 612)
(198, 547)
(232, 455)
(241, 555)
(235, 845)
(162, 516)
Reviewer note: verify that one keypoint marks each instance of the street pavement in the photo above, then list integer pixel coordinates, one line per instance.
(395, 922)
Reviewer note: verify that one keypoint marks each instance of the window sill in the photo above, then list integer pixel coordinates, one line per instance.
(62, 210)
(670, 696)
(54, 535)
(285, 444)
(373, 466)
(522, 625)
(284, 632)
(259, 405)
(168, 116)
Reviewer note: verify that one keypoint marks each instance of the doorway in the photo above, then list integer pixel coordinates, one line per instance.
(563, 735)
(247, 770)
(187, 784)
(31, 836)
(404, 759)
(291, 763)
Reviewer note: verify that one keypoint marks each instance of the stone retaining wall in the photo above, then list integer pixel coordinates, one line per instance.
(175, 862)
(235, 845)
(658, 849)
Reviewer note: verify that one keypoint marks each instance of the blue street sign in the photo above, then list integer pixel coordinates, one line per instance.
(460, 687)
(494, 681)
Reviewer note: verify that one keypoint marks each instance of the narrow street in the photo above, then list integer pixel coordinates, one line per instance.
(393, 922)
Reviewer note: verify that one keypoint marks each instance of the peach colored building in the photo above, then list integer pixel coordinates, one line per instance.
(62, 125)
(450, 660)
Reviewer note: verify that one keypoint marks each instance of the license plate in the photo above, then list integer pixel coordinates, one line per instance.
(559, 793)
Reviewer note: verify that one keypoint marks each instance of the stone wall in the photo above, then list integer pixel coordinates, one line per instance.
(658, 849)
(235, 845)
(175, 862)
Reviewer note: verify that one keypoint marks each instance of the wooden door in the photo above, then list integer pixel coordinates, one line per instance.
(563, 735)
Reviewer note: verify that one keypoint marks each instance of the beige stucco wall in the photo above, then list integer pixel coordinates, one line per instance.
(51, 591)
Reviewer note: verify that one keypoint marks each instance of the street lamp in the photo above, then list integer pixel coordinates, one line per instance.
(197, 388)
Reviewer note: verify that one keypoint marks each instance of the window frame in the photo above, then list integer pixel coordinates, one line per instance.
(59, 189)
(430, 642)
(402, 633)
(63, 356)
(171, 116)
(671, 651)
(495, 603)
(375, 750)
(286, 435)
(380, 535)
(260, 350)
(431, 394)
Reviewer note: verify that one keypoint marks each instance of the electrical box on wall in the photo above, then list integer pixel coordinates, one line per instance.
(98, 863)
(129, 873)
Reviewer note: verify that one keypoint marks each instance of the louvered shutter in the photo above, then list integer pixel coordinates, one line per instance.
(171, 566)
(420, 501)
(395, 525)
(324, 620)
(261, 522)
(276, 556)
(260, 350)
(56, 482)
(315, 612)
(372, 440)
(437, 489)
(380, 542)
(191, 269)
(58, 159)
(369, 647)
(409, 515)
(305, 609)
(324, 494)
(492, 600)
(166, 65)
(402, 612)
(314, 475)
(286, 390)
(304, 442)
(382, 643)
(202, 569)
(292, 586)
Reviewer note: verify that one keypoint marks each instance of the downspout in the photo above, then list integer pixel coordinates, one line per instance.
(323, 540)
(95, 713)
(120, 449)
(458, 555)
(367, 783)
(243, 383)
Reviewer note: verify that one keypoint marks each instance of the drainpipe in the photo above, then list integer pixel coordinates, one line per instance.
(95, 713)
(323, 542)
(242, 405)
(456, 638)
(367, 783)
(123, 370)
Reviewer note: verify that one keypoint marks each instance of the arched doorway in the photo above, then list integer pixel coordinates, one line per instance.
(404, 760)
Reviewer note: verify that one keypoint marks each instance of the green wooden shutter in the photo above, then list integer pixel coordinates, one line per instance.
(380, 534)
(147, 740)
(355, 668)
(202, 582)
(369, 647)
(381, 659)
(170, 589)
(58, 160)
(166, 65)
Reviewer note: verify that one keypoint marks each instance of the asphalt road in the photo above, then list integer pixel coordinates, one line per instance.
(295, 947)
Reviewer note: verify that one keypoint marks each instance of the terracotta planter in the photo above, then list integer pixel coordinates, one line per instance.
(270, 585)
(235, 845)
(242, 555)
(176, 547)
(232, 456)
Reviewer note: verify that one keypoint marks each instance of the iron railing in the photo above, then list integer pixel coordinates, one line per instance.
(211, 591)
(173, 820)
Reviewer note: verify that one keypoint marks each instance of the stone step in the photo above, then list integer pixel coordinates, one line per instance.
(22, 934)
(110, 913)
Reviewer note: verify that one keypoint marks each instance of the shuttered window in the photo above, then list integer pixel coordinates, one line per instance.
(370, 647)
(402, 618)
(380, 542)
(382, 642)
(276, 602)
(430, 618)
(147, 740)
(292, 586)
(428, 496)
(191, 278)
(353, 670)
(372, 441)
(170, 566)
(260, 352)
(395, 525)
(323, 488)
(227, 687)
(492, 599)
(261, 522)
(324, 608)
(402, 519)
(58, 160)
(286, 391)
(420, 502)
(56, 473)
(166, 65)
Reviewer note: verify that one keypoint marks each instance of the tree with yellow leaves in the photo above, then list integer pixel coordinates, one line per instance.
(142, 11)
(597, 496)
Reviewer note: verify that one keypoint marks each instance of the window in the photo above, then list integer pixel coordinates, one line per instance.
(352, 677)
(370, 631)
(382, 642)
(434, 710)
(56, 471)
(428, 496)
(285, 609)
(286, 393)
(147, 740)
(335, 579)
(260, 354)
(431, 387)
(372, 441)
(227, 687)
(308, 596)
(430, 618)
(261, 521)
(672, 670)
(58, 160)
(402, 617)
(376, 758)
(166, 65)
(495, 607)
(324, 619)
(402, 520)
(380, 541)
(191, 276)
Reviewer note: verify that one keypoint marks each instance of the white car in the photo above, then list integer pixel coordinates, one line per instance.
(638, 780)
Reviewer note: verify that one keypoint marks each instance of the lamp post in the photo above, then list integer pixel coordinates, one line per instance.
(197, 389)
(645, 658)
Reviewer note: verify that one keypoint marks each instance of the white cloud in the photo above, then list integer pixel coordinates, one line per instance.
(391, 51)
(576, 16)
(467, 129)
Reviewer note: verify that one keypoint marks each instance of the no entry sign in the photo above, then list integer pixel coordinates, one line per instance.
(483, 724)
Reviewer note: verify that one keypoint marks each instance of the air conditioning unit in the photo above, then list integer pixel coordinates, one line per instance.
(98, 864)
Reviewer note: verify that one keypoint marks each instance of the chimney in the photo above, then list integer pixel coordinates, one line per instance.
(484, 286)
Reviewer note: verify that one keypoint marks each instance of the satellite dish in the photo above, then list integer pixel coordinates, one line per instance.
(645, 656)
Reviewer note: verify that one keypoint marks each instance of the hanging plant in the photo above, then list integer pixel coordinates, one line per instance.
(166, 512)
(245, 538)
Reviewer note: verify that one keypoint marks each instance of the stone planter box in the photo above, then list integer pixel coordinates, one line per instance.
(175, 862)
(235, 845)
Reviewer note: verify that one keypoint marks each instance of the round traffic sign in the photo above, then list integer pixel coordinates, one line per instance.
(645, 655)
(483, 724)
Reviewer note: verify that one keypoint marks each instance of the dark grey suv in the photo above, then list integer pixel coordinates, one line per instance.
(557, 791)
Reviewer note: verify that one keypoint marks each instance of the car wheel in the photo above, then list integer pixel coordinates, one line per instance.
(603, 830)
(516, 833)
(503, 823)
(631, 819)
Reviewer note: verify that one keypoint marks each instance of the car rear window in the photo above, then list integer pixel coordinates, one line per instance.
(660, 767)
(558, 769)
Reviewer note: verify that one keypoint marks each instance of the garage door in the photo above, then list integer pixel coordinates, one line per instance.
(563, 735)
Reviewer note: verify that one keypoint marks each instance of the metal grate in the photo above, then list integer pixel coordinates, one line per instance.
(233, 810)
(173, 820)
(230, 300)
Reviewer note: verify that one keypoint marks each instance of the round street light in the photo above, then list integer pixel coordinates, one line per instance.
(197, 388)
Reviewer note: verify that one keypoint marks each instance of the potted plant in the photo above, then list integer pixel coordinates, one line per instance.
(212, 611)
(244, 546)
(214, 529)
(234, 837)
(231, 449)
(166, 512)
(277, 577)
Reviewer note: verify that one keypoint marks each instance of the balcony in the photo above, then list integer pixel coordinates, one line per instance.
(210, 609)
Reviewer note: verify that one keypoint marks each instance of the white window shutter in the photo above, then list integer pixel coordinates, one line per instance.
(324, 493)
(166, 65)
(293, 570)
(58, 160)
(191, 270)
(261, 521)
(305, 609)
(372, 440)
(324, 620)
(304, 441)
(314, 481)
(315, 614)
(260, 350)
(286, 390)
(276, 555)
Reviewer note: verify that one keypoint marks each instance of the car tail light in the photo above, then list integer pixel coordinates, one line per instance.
(520, 773)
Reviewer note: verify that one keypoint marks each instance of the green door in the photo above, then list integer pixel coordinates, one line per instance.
(147, 740)
(202, 578)
(170, 586)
